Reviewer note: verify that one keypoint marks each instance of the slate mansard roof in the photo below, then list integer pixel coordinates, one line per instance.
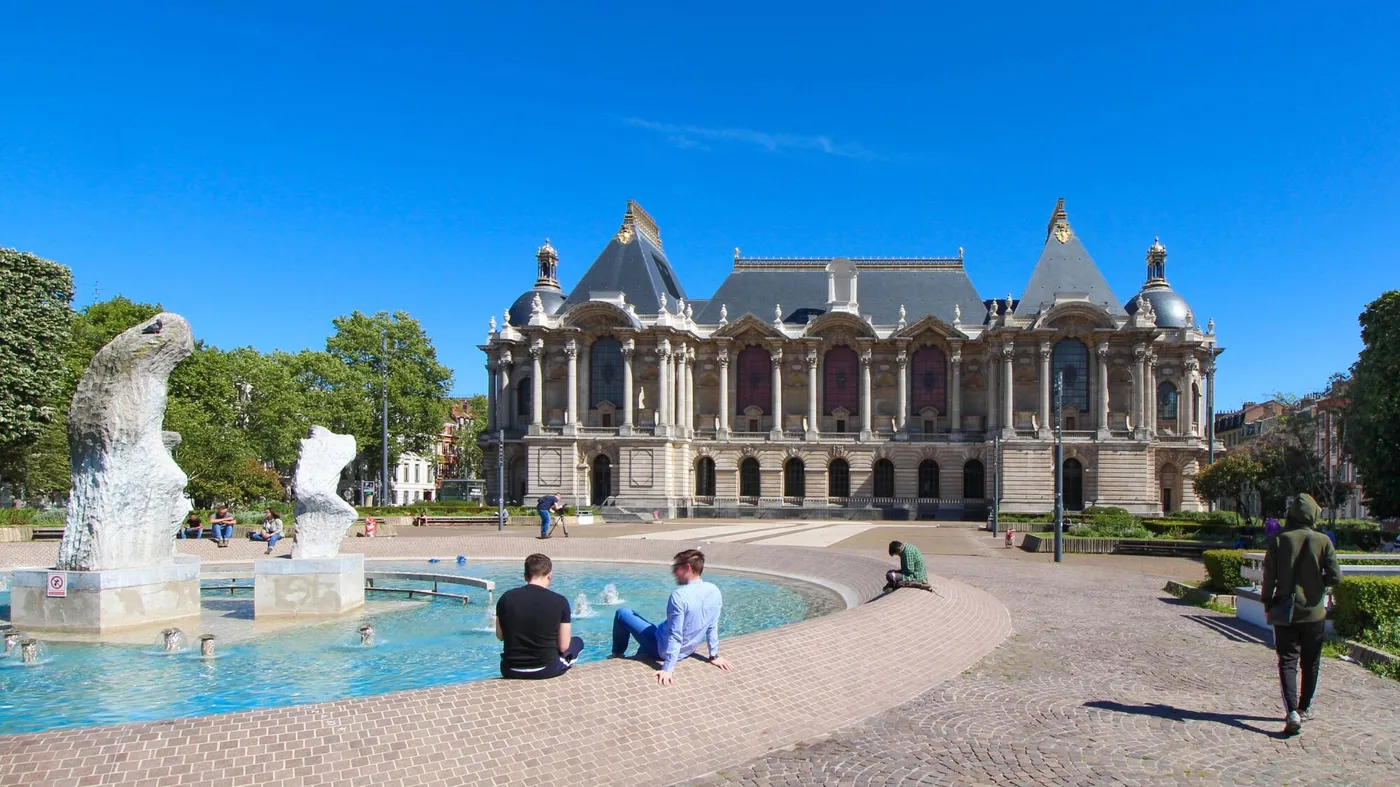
(634, 264)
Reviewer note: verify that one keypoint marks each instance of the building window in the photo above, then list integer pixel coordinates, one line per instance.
(755, 383)
(753, 424)
(1071, 358)
(929, 381)
(884, 478)
(794, 478)
(838, 479)
(1166, 402)
(928, 479)
(606, 419)
(417, 473)
(842, 367)
(750, 484)
(605, 373)
(523, 396)
(705, 477)
(974, 480)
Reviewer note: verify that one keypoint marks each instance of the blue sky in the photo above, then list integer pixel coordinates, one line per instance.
(265, 167)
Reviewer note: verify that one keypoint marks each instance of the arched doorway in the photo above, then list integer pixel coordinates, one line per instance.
(750, 484)
(928, 479)
(794, 478)
(600, 487)
(884, 478)
(1073, 485)
(838, 478)
(974, 480)
(1169, 482)
(705, 477)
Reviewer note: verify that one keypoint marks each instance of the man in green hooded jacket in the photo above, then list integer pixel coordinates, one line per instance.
(1300, 565)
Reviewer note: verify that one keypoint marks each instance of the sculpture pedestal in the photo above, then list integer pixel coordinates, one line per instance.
(308, 587)
(99, 602)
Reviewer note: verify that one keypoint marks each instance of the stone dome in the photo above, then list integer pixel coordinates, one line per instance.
(520, 310)
(1171, 309)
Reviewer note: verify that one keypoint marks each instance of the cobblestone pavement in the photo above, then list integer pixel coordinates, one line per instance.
(1105, 681)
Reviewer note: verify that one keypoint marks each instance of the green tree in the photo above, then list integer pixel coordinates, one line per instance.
(1372, 418)
(1289, 458)
(470, 414)
(1233, 476)
(35, 330)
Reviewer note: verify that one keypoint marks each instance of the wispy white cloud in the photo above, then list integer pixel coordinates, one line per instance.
(694, 137)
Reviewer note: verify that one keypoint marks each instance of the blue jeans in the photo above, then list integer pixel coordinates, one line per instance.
(544, 521)
(198, 532)
(271, 540)
(627, 623)
(224, 532)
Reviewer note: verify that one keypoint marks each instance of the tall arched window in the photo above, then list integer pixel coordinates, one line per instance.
(974, 480)
(794, 478)
(1166, 402)
(838, 478)
(842, 380)
(1071, 358)
(928, 380)
(705, 477)
(605, 373)
(523, 390)
(755, 380)
(749, 483)
(884, 478)
(928, 479)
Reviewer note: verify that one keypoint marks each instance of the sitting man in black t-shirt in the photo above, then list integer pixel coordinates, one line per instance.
(534, 622)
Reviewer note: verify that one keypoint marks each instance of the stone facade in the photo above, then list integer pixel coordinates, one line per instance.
(884, 383)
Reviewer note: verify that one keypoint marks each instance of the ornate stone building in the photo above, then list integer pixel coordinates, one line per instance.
(834, 386)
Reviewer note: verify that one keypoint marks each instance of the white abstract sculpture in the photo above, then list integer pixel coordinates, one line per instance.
(322, 516)
(128, 493)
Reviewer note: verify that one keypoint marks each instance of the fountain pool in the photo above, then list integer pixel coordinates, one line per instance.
(416, 644)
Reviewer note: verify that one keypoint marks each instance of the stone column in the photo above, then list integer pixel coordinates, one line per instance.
(722, 356)
(629, 398)
(812, 420)
(1150, 418)
(677, 404)
(490, 398)
(993, 401)
(1186, 403)
(901, 422)
(585, 382)
(777, 392)
(865, 403)
(504, 410)
(663, 369)
(1008, 360)
(955, 410)
(537, 385)
(1045, 385)
(1101, 406)
(571, 414)
(1139, 354)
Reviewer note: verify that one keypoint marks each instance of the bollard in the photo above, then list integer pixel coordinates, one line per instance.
(1010, 537)
(206, 646)
(29, 650)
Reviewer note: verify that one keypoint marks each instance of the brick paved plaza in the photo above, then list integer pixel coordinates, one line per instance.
(1104, 680)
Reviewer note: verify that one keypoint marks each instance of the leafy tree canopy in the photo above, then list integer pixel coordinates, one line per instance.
(1371, 420)
(35, 330)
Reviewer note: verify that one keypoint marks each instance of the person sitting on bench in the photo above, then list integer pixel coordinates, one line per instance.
(911, 570)
(193, 527)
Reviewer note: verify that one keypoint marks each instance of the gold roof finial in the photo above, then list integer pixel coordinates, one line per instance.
(1059, 223)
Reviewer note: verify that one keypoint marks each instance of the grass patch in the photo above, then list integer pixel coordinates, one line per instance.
(1335, 648)
(1215, 606)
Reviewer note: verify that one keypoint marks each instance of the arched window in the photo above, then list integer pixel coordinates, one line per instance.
(1071, 359)
(794, 478)
(1166, 402)
(755, 380)
(884, 478)
(928, 479)
(523, 394)
(705, 477)
(928, 380)
(749, 483)
(1073, 484)
(1196, 416)
(842, 380)
(838, 479)
(974, 480)
(605, 373)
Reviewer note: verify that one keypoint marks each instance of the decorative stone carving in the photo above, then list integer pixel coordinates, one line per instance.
(778, 315)
(322, 516)
(1210, 326)
(128, 493)
(792, 452)
(661, 299)
(748, 451)
(901, 315)
(837, 452)
(957, 314)
(723, 314)
(536, 306)
(492, 323)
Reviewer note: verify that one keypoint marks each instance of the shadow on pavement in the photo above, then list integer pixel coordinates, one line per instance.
(1233, 630)
(1160, 711)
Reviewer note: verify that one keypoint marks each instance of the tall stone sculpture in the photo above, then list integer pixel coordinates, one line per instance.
(323, 517)
(128, 493)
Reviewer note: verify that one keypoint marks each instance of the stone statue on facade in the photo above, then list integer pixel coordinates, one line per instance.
(1210, 325)
(901, 315)
(778, 314)
(957, 312)
(641, 398)
(689, 312)
(536, 306)
(680, 306)
(128, 494)
(323, 517)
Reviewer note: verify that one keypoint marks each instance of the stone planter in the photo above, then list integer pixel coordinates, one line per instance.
(16, 533)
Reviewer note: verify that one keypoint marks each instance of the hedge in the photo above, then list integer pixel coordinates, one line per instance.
(17, 516)
(1223, 569)
(1362, 603)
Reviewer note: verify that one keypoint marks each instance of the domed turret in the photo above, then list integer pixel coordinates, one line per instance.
(546, 287)
(1170, 309)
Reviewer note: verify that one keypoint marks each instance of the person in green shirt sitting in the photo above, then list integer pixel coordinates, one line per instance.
(911, 567)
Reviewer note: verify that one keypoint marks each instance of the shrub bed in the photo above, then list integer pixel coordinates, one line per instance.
(1363, 604)
(1223, 569)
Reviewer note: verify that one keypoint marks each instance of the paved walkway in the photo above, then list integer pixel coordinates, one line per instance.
(1105, 681)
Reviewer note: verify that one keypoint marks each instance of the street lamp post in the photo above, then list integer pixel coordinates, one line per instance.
(500, 480)
(1059, 468)
(384, 419)
(996, 483)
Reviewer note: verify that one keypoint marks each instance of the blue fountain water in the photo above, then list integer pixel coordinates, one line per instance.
(420, 644)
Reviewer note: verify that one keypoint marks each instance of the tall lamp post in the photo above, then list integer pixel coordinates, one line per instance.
(384, 419)
(996, 483)
(1059, 468)
(500, 480)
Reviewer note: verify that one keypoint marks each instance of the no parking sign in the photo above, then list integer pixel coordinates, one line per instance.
(57, 584)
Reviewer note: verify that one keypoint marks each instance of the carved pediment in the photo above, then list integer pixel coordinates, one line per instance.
(598, 317)
(753, 411)
(840, 412)
(839, 328)
(929, 330)
(748, 329)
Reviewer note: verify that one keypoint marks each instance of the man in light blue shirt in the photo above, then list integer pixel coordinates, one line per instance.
(692, 615)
